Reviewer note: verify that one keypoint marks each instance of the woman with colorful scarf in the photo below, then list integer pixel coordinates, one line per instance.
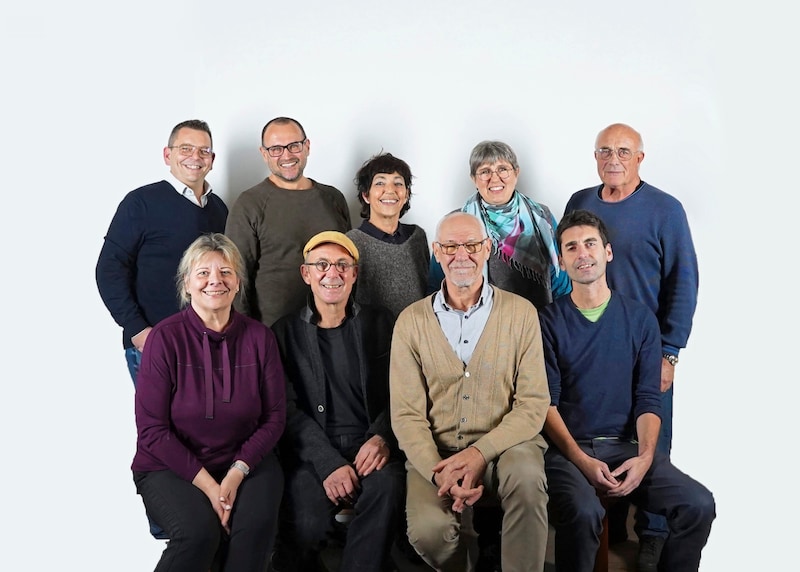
(524, 255)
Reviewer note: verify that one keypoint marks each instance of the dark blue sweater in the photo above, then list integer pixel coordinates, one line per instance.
(136, 269)
(602, 375)
(654, 257)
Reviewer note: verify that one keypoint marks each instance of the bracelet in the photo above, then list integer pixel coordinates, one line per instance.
(241, 466)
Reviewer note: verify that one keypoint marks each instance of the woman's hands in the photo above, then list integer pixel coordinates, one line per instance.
(221, 495)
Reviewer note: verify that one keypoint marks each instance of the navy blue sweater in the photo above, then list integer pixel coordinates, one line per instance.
(654, 256)
(136, 269)
(602, 375)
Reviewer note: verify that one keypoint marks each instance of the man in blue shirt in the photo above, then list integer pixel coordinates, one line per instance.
(655, 264)
(603, 360)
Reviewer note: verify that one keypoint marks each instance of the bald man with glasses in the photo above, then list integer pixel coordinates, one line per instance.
(271, 222)
(469, 398)
(654, 263)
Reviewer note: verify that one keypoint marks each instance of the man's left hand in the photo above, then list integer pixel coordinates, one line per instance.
(372, 456)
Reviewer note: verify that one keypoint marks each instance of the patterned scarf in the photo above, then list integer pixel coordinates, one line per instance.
(522, 236)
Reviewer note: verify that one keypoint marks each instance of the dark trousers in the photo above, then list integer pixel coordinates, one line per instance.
(307, 515)
(194, 530)
(576, 512)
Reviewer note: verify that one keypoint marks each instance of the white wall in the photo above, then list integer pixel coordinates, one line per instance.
(92, 90)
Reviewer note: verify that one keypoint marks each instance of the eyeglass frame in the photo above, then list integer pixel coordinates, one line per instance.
(341, 266)
(490, 172)
(284, 148)
(204, 151)
(614, 151)
(478, 246)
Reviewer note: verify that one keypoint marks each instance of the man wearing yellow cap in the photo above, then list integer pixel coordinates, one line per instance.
(338, 448)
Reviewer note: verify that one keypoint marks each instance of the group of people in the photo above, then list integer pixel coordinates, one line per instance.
(288, 366)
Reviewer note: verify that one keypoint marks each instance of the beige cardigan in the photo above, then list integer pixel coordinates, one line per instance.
(498, 400)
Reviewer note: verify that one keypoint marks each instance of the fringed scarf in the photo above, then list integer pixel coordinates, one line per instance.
(521, 234)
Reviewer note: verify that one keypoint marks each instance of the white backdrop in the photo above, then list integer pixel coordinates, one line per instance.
(92, 90)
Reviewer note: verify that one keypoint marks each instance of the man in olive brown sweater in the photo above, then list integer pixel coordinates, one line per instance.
(468, 400)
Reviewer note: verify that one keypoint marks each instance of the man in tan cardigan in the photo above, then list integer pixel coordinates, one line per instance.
(468, 400)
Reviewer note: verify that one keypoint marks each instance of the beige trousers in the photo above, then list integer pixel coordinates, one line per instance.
(446, 540)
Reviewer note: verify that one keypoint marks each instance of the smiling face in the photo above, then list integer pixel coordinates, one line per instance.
(212, 284)
(287, 169)
(331, 287)
(386, 196)
(583, 256)
(462, 269)
(190, 170)
(496, 190)
(617, 174)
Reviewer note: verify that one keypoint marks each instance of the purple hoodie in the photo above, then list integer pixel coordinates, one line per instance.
(206, 398)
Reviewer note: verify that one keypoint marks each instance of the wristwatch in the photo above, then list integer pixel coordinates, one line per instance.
(671, 359)
(241, 466)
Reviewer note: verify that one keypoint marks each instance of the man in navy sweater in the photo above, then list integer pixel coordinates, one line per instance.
(603, 359)
(152, 227)
(655, 264)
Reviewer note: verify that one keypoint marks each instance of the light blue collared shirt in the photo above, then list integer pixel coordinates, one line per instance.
(464, 329)
(188, 193)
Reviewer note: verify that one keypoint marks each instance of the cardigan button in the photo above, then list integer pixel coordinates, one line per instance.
(320, 408)
(466, 374)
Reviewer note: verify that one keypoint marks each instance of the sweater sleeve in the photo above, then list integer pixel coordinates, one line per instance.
(409, 395)
(115, 271)
(241, 227)
(680, 282)
(273, 416)
(153, 401)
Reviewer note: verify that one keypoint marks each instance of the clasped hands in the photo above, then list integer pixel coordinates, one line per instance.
(460, 477)
(343, 484)
(620, 482)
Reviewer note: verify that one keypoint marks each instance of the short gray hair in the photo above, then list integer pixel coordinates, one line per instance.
(490, 152)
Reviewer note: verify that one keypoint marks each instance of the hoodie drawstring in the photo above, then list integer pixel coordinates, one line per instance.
(208, 369)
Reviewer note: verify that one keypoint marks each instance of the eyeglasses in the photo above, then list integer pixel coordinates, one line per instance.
(451, 248)
(623, 153)
(277, 150)
(323, 265)
(188, 150)
(502, 172)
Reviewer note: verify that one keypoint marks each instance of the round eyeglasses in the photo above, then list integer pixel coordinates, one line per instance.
(323, 265)
(502, 172)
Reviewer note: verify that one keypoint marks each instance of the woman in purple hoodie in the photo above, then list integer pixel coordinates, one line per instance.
(210, 408)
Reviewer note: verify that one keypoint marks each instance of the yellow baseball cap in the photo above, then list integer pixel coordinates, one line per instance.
(331, 236)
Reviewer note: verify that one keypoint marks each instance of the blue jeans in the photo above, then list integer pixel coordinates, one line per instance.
(648, 523)
(577, 513)
(134, 359)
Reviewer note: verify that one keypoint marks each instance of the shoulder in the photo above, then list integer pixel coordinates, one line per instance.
(259, 191)
(152, 192)
(582, 196)
(514, 302)
(417, 233)
(327, 190)
(374, 316)
(660, 197)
